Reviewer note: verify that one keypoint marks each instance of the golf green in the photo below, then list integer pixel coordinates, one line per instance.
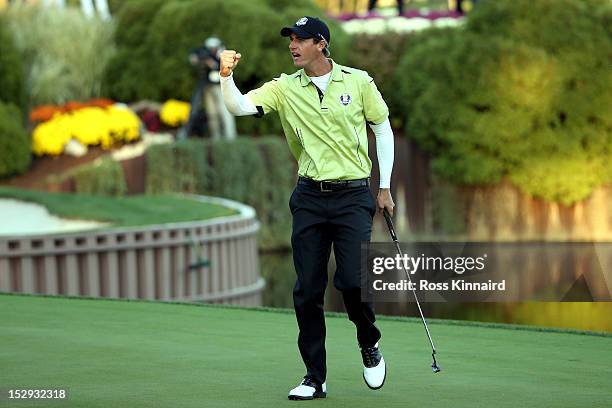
(151, 354)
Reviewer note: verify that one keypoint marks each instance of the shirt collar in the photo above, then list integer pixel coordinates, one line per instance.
(336, 74)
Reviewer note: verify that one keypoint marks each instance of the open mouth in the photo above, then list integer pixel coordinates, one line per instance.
(295, 55)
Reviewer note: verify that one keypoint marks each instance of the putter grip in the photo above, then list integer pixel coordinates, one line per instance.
(389, 224)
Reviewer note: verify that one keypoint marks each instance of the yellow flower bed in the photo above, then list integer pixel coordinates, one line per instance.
(90, 126)
(174, 113)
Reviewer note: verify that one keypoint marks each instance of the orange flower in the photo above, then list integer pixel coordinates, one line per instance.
(72, 106)
(100, 102)
(43, 113)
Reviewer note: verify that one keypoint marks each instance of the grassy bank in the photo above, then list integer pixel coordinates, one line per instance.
(120, 211)
(145, 354)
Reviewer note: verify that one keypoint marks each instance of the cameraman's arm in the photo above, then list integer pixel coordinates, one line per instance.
(194, 57)
(235, 102)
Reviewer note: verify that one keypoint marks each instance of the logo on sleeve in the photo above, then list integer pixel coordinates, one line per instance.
(345, 99)
(302, 21)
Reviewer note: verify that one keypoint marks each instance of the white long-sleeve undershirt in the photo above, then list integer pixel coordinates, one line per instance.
(242, 105)
(235, 102)
(385, 151)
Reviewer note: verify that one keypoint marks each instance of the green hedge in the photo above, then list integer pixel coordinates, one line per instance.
(378, 54)
(102, 177)
(518, 93)
(127, 77)
(259, 172)
(12, 74)
(179, 167)
(15, 151)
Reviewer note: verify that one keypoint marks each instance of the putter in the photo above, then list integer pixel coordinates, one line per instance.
(434, 365)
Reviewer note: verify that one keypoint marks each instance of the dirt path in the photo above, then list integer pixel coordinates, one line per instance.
(43, 167)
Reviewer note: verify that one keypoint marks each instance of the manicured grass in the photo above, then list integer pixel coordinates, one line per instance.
(148, 354)
(121, 211)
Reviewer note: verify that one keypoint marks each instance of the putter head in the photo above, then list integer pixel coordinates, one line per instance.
(434, 365)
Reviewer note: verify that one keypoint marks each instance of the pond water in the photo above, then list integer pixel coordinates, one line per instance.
(562, 259)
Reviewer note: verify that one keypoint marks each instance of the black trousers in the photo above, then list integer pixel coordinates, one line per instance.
(342, 219)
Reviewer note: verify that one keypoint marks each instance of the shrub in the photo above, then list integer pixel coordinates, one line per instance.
(65, 53)
(15, 154)
(564, 179)
(279, 180)
(516, 94)
(103, 177)
(12, 74)
(127, 77)
(178, 167)
(378, 55)
(259, 172)
(238, 171)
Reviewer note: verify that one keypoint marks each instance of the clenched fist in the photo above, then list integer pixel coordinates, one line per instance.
(229, 60)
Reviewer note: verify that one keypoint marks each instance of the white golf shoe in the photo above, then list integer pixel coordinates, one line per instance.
(374, 368)
(307, 390)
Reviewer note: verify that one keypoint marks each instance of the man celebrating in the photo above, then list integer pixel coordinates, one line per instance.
(324, 108)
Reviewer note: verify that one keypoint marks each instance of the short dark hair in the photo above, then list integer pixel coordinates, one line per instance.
(325, 50)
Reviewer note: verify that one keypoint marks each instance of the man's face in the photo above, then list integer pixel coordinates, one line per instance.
(304, 50)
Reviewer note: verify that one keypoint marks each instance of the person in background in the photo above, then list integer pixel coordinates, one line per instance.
(400, 6)
(461, 6)
(221, 123)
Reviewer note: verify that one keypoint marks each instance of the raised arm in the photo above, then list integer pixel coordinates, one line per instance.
(235, 102)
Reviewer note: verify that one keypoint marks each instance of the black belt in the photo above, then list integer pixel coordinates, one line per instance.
(333, 185)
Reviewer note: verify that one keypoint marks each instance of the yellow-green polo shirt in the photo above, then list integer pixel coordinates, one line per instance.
(327, 137)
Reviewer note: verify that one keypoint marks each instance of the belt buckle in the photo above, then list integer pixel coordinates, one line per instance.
(323, 189)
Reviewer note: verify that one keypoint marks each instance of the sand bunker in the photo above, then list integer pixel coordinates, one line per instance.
(23, 218)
